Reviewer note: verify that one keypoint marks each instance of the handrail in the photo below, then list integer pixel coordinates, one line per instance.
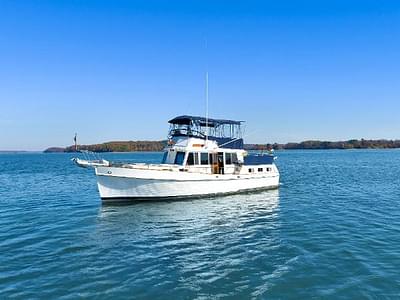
(186, 132)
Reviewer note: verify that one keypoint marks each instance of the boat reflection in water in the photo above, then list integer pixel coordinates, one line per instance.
(206, 246)
(152, 218)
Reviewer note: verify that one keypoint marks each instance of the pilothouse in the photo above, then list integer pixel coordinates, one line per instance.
(203, 157)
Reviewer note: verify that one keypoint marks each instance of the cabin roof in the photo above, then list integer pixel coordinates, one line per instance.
(189, 120)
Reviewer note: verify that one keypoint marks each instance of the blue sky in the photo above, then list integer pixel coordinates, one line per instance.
(118, 70)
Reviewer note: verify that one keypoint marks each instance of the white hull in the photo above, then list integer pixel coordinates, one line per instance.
(116, 184)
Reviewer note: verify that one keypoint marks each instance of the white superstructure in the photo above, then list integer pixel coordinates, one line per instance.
(193, 165)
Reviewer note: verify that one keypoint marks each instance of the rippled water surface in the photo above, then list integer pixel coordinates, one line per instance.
(331, 231)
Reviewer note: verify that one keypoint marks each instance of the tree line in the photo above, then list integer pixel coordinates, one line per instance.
(315, 144)
(131, 146)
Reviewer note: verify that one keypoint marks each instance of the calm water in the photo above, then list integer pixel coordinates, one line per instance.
(331, 231)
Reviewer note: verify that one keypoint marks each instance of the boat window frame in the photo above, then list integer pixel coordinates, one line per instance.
(181, 155)
(235, 159)
(202, 154)
(164, 158)
(190, 161)
(228, 162)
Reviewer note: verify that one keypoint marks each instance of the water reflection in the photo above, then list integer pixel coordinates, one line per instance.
(213, 210)
(192, 244)
(201, 222)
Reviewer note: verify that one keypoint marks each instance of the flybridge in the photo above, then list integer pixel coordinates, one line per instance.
(227, 133)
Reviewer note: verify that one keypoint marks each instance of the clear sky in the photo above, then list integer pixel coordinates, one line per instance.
(118, 70)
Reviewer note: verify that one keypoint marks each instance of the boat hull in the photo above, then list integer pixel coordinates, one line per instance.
(115, 188)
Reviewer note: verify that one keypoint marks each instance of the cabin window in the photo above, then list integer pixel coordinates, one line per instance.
(190, 159)
(260, 169)
(269, 169)
(179, 158)
(234, 158)
(228, 158)
(251, 170)
(204, 158)
(164, 159)
(211, 158)
(193, 158)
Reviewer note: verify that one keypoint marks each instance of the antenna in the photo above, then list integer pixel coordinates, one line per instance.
(206, 108)
(205, 42)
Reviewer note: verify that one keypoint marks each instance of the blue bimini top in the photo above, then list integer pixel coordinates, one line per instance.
(202, 121)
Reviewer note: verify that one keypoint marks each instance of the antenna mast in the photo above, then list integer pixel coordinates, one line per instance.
(206, 108)
(206, 94)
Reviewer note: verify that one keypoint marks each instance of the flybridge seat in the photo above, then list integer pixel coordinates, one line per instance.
(227, 133)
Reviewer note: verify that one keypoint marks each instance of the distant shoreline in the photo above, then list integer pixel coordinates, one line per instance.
(157, 146)
(17, 151)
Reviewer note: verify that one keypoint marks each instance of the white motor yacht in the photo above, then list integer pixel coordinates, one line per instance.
(203, 157)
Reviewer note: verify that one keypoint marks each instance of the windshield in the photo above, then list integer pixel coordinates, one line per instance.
(164, 159)
(179, 158)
